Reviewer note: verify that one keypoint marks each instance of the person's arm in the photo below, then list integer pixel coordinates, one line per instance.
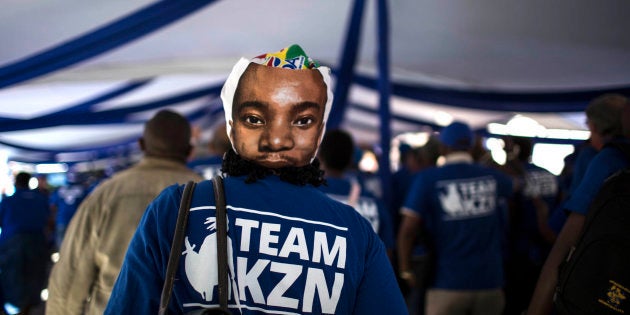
(53, 217)
(405, 241)
(542, 219)
(542, 298)
(72, 276)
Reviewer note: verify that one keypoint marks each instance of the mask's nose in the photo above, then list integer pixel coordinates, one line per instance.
(277, 137)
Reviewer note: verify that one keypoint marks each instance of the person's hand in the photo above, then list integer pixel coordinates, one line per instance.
(409, 277)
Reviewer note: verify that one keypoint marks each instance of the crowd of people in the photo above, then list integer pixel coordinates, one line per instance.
(460, 234)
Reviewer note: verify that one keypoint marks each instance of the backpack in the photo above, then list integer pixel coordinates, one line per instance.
(595, 276)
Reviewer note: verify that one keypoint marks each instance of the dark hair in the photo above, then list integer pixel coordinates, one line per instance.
(605, 113)
(219, 143)
(430, 151)
(167, 135)
(525, 148)
(22, 179)
(336, 150)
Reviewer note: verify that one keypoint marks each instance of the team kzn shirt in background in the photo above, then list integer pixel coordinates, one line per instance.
(461, 206)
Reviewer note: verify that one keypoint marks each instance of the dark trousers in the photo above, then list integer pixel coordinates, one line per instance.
(23, 269)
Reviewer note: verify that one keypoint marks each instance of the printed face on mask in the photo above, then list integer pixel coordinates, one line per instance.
(277, 116)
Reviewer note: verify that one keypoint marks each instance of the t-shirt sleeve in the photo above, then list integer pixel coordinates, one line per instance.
(139, 285)
(605, 163)
(416, 197)
(582, 161)
(378, 291)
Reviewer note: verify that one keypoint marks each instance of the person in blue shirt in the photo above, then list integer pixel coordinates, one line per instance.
(529, 236)
(572, 174)
(65, 201)
(413, 160)
(291, 248)
(585, 153)
(457, 206)
(335, 155)
(605, 121)
(409, 164)
(24, 218)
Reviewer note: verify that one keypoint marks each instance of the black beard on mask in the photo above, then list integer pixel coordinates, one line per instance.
(234, 165)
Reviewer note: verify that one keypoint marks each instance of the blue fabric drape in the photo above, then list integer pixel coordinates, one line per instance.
(112, 116)
(540, 102)
(83, 106)
(393, 116)
(48, 155)
(346, 66)
(108, 37)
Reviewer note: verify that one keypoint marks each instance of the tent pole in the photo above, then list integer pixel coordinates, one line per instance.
(384, 92)
(345, 68)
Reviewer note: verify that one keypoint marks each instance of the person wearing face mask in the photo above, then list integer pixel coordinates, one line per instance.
(291, 249)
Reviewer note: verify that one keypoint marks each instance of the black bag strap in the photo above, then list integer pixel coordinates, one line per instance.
(221, 224)
(176, 247)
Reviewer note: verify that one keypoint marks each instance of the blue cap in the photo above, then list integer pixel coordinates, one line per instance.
(457, 136)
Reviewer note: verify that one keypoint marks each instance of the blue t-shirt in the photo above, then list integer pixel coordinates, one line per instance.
(367, 205)
(401, 181)
(586, 153)
(26, 211)
(370, 182)
(558, 215)
(459, 206)
(291, 249)
(67, 200)
(608, 161)
(527, 241)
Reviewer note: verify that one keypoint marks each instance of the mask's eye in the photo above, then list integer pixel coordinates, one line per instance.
(254, 120)
(304, 121)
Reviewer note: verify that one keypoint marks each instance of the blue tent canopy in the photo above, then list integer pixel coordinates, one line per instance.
(376, 53)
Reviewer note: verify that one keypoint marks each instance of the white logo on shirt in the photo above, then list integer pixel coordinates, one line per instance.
(198, 263)
(540, 184)
(367, 207)
(251, 282)
(468, 198)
